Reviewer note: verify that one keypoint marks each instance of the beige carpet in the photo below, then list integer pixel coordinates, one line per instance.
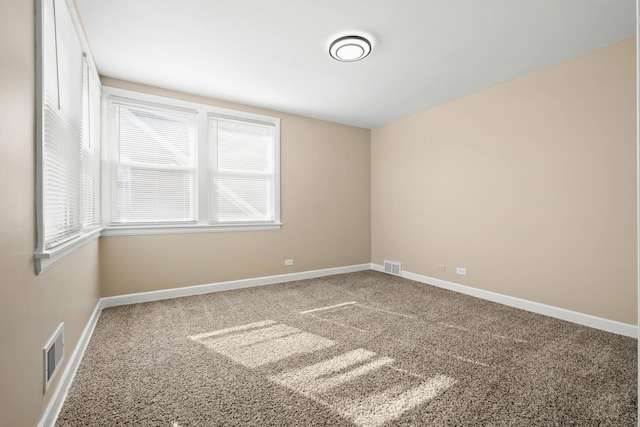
(359, 349)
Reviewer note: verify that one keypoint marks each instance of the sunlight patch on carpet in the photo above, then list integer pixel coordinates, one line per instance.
(408, 316)
(321, 382)
(378, 408)
(267, 343)
(233, 329)
(329, 307)
(359, 385)
(322, 376)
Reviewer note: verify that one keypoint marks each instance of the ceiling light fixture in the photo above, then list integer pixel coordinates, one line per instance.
(350, 48)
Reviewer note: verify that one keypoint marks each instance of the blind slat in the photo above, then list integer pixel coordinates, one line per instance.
(239, 150)
(62, 121)
(70, 142)
(155, 165)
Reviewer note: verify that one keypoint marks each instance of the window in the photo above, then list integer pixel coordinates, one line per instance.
(68, 151)
(154, 168)
(241, 171)
(176, 167)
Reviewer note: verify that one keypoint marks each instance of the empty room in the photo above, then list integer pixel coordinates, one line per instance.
(319, 213)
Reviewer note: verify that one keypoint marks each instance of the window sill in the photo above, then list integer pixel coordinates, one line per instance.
(48, 258)
(136, 230)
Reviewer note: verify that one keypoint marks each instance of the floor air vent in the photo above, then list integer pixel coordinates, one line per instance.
(391, 267)
(53, 355)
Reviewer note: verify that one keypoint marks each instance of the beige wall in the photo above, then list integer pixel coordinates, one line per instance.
(31, 307)
(325, 208)
(530, 185)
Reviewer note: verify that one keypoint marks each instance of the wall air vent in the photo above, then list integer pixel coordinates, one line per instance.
(394, 268)
(53, 355)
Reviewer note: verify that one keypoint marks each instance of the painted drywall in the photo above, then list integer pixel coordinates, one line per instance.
(325, 209)
(530, 185)
(31, 307)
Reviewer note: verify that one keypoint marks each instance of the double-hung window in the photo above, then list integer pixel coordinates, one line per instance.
(241, 171)
(180, 167)
(68, 141)
(154, 164)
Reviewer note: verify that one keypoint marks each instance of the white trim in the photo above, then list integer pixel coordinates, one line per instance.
(163, 101)
(535, 307)
(48, 258)
(39, 128)
(225, 286)
(60, 393)
(184, 229)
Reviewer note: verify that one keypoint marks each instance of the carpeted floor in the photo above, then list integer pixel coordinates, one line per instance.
(359, 349)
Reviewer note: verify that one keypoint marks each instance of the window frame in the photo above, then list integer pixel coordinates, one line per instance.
(215, 172)
(203, 113)
(113, 164)
(46, 257)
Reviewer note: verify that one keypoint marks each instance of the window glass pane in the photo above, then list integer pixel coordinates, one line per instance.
(245, 147)
(151, 136)
(147, 195)
(241, 172)
(91, 157)
(155, 164)
(63, 74)
(242, 199)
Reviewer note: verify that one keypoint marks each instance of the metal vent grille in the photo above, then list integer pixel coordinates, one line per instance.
(394, 268)
(53, 355)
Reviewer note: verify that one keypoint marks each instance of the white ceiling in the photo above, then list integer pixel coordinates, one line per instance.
(274, 54)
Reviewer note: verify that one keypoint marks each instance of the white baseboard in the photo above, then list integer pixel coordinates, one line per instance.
(535, 307)
(60, 393)
(225, 286)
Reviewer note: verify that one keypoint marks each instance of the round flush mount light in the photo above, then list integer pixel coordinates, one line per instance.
(350, 48)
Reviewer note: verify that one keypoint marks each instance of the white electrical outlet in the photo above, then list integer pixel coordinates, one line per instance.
(461, 270)
(442, 268)
(288, 262)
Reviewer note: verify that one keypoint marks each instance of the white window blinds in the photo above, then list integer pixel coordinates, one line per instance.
(68, 141)
(91, 152)
(241, 171)
(182, 167)
(155, 167)
(67, 167)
